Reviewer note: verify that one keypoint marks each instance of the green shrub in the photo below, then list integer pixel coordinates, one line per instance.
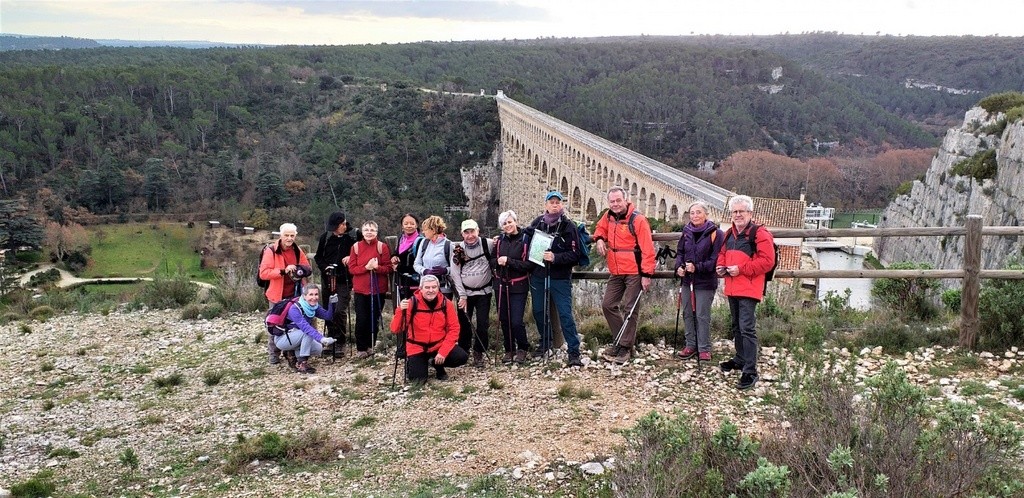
(163, 293)
(999, 306)
(908, 297)
(213, 377)
(1015, 114)
(904, 188)
(309, 447)
(44, 277)
(1002, 102)
(767, 480)
(980, 166)
(41, 313)
(951, 299)
(38, 486)
(169, 382)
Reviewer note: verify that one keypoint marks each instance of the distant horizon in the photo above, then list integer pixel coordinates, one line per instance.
(363, 22)
(216, 42)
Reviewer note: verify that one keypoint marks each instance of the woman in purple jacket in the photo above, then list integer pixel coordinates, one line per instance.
(696, 256)
(301, 335)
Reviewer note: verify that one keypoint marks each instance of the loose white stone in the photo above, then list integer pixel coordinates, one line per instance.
(592, 468)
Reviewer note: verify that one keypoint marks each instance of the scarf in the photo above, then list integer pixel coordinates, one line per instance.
(406, 241)
(551, 219)
(307, 309)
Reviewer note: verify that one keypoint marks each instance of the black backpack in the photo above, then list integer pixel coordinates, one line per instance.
(264, 284)
(768, 277)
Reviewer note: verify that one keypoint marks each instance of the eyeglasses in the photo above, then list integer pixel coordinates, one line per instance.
(739, 212)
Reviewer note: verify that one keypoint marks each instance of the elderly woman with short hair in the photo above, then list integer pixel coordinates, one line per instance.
(696, 257)
(512, 271)
(369, 263)
(302, 340)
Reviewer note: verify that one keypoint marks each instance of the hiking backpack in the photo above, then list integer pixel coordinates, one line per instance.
(277, 317)
(583, 248)
(264, 284)
(768, 277)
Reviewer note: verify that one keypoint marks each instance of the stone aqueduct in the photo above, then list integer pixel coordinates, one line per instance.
(541, 153)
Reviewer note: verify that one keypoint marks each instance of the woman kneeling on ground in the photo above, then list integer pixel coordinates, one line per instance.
(301, 335)
(430, 326)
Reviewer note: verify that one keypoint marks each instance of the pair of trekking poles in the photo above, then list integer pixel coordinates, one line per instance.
(693, 307)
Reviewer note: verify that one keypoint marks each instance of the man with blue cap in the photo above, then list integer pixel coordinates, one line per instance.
(551, 284)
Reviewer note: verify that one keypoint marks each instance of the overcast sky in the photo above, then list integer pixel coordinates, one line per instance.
(336, 22)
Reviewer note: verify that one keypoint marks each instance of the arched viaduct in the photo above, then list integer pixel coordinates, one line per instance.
(541, 153)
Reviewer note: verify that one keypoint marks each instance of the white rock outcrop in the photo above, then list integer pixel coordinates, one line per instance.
(944, 199)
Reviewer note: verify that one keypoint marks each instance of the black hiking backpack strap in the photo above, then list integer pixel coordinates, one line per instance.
(412, 314)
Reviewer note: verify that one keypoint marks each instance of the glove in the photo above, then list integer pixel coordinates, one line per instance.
(437, 270)
(327, 341)
(333, 299)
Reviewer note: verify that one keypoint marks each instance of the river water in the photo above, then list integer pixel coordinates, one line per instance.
(834, 259)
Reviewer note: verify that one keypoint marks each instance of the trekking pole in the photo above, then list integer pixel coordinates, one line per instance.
(625, 323)
(679, 308)
(401, 337)
(547, 339)
(696, 334)
(334, 289)
(374, 282)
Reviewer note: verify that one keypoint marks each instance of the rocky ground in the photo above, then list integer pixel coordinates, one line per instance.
(80, 391)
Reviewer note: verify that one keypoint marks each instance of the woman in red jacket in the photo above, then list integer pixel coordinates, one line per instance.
(430, 326)
(369, 263)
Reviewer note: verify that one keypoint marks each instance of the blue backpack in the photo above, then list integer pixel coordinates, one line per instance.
(583, 247)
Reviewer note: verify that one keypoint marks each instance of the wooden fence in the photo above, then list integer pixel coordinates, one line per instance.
(971, 273)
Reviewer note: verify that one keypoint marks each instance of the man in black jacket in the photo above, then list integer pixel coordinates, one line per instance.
(331, 258)
(552, 282)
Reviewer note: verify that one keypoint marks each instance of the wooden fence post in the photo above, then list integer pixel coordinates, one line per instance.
(969, 295)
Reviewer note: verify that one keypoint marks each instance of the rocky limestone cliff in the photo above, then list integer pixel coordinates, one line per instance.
(945, 199)
(481, 184)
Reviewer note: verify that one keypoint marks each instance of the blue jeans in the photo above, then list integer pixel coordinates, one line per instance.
(560, 292)
(744, 332)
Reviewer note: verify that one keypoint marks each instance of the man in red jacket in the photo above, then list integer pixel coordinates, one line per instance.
(623, 235)
(747, 255)
(430, 325)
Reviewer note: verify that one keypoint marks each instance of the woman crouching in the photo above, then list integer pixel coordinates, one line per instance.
(302, 340)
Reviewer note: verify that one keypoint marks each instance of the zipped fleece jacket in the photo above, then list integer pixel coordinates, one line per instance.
(357, 267)
(432, 329)
(739, 251)
(514, 277)
(614, 231)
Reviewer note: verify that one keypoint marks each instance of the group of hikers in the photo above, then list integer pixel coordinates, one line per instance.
(442, 287)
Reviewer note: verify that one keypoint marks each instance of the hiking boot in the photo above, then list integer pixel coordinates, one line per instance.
(362, 355)
(293, 362)
(541, 354)
(304, 367)
(574, 360)
(275, 358)
(686, 353)
(616, 354)
(705, 356)
(507, 359)
(478, 359)
(520, 357)
(729, 366)
(440, 374)
(747, 381)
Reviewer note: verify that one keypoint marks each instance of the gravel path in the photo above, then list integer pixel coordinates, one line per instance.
(81, 390)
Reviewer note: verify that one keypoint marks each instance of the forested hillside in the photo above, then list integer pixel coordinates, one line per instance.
(136, 130)
(295, 130)
(879, 67)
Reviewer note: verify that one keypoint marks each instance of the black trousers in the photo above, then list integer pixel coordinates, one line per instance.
(368, 308)
(338, 326)
(481, 307)
(416, 365)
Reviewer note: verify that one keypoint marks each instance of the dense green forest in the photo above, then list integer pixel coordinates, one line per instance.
(288, 133)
